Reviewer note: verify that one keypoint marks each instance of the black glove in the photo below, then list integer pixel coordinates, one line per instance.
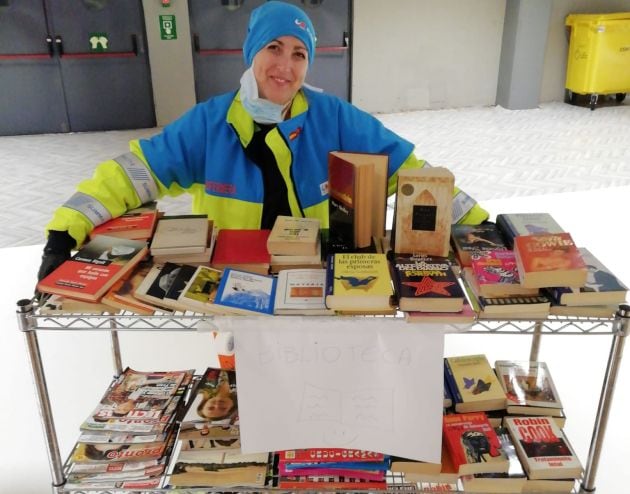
(56, 251)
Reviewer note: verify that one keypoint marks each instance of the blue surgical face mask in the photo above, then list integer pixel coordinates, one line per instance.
(260, 109)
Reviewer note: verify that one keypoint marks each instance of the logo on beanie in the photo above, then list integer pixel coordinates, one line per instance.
(300, 24)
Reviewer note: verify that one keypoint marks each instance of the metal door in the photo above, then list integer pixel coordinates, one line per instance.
(31, 92)
(73, 66)
(218, 29)
(104, 64)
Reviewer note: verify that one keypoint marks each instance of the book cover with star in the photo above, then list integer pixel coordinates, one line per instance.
(473, 384)
(426, 283)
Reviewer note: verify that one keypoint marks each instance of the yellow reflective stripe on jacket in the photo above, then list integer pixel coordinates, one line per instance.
(319, 211)
(226, 212)
(111, 187)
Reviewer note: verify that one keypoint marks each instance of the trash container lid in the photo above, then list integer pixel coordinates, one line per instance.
(572, 19)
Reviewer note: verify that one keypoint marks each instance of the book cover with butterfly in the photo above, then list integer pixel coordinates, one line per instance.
(473, 384)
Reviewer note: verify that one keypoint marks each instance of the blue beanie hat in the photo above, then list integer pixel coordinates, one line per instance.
(275, 19)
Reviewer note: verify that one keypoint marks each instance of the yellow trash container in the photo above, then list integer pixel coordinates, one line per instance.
(599, 55)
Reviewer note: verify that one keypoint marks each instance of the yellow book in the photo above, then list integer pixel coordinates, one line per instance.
(473, 384)
(357, 282)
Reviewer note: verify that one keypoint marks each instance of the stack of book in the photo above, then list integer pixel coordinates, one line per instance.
(294, 243)
(126, 441)
(183, 239)
(135, 224)
(242, 249)
(331, 468)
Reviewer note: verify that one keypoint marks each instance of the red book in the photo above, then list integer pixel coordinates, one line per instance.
(242, 249)
(137, 224)
(94, 268)
(473, 444)
(548, 260)
(328, 455)
(327, 482)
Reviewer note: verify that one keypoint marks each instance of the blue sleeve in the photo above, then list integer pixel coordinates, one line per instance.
(362, 132)
(177, 154)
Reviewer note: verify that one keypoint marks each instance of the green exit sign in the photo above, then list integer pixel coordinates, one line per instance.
(168, 27)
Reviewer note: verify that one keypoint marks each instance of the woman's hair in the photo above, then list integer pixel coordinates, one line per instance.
(207, 397)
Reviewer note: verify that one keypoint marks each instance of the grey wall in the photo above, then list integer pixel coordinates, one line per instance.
(407, 54)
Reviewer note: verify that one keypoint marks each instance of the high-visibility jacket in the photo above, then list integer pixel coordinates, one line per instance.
(202, 153)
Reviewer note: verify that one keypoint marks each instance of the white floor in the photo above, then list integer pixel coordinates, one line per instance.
(577, 168)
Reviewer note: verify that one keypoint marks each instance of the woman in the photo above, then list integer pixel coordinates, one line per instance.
(245, 156)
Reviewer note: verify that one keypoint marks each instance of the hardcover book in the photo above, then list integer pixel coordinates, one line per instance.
(357, 187)
(426, 283)
(512, 225)
(472, 241)
(543, 448)
(242, 249)
(94, 268)
(301, 291)
(357, 282)
(136, 224)
(549, 259)
(423, 211)
(602, 287)
(473, 444)
(294, 236)
(181, 234)
(473, 384)
(529, 388)
(246, 293)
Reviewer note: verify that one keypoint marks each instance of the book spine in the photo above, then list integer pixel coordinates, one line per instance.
(503, 224)
(330, 277)
(449, 380)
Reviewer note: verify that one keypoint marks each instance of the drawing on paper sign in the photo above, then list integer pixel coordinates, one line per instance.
(368, 407)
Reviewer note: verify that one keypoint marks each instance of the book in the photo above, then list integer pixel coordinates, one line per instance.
(473, 444)
(244, 292)
(407, 466)
(357, 190)
(135, 224)
(278, 262)
(471, 241)
(357, 282)
(163, 285)
(529, 388)
(549, 259)
(201, 290)
(121, 294)
(448, 473)
(180, 234)
(301, 291)
(466, 316)
(219, 469)
(558, 486)
(473, 384)
(426, 283)
(327, 482)
(598, 311)
(512, 225)
(423, 211)
(242, 249)
(602, 287)
(192, 258)
(543, 448)
(94, 268)
(294, 236)
(513, 307)
(330, 455)
(511, 481)
(496, 275)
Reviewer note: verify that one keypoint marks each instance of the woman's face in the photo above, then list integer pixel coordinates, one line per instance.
(280, 68)
(218, 406)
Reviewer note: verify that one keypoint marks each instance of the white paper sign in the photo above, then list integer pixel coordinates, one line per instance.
(373, 384)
